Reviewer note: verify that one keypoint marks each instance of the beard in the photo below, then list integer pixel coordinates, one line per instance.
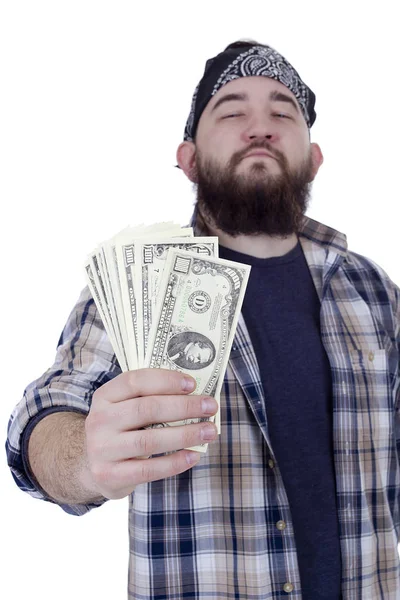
(256, 202)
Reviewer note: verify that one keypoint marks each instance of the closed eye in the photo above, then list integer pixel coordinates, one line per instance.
(233, 115)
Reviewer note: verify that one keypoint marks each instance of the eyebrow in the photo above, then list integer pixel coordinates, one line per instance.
(274, 96)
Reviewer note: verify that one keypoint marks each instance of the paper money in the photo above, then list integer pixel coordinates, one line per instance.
(198, 308)
(110, 291)
(151, 256)
(113, 288)
(167, 301)
(95, 280)
(126, 255)
(104, 281)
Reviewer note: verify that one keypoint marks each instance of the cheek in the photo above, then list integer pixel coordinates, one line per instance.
(296, 152)
(223, 148)
(218, 143)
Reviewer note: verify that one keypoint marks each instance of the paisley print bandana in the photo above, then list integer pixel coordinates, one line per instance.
(245, 61)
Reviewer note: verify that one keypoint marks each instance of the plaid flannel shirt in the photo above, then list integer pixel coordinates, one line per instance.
(212, 532)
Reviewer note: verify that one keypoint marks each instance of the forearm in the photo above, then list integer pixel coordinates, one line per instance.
(57, 457)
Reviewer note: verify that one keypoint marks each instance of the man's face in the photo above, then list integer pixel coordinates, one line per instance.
(197, 353)
(268, 191)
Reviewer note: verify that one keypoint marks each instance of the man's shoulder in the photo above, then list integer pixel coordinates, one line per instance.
(365, 263)
(362, 271)
(373, 283)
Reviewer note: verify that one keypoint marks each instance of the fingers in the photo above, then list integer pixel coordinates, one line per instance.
(124, 476)
(146, 442)
(116, 441)
(136, 413)
(145, 382)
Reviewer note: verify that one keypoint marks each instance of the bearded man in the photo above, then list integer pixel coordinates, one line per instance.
(299, 495)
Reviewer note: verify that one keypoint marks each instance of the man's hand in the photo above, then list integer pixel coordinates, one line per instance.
(116, 442)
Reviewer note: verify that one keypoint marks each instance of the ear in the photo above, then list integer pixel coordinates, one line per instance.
(186, 158)
(317, 159)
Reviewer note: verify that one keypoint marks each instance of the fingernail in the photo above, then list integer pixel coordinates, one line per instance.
(208, 406)
(188, 384)
(192, 457)
(208, 433)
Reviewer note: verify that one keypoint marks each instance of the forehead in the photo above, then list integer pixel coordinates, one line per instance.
(254, 87)
(196, 346)
(205, 349)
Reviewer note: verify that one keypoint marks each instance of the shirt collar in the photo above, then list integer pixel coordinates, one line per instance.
(324, 236)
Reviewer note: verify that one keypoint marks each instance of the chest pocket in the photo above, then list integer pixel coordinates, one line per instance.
(374, 399)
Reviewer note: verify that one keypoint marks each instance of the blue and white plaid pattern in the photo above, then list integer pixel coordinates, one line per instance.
(211, 532)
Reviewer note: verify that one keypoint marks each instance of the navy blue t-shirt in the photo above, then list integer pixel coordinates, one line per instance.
(281, 309)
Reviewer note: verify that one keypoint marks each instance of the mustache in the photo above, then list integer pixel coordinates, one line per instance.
(256, 145)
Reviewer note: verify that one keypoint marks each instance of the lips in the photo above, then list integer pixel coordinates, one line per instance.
(258, 153)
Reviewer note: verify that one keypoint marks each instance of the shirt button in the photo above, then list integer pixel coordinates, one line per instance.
(288, 587)
(371, 356)
(281, 525)
(271, 463)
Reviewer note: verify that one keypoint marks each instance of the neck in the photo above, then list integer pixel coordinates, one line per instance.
(260, 246)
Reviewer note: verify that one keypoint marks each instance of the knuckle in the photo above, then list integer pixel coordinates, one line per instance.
(189, 436)
(178, 463)
(147, 409)
(146, 471)
(143, 379)
(101, 474)
(98, 448)
(107, 480)
(141, 408)
(144, 442)
(154, 411)
(133, 378)
(188, 405)
(172, 379)
(95, 419)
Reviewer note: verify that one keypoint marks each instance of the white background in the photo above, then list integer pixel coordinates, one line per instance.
(93, 102)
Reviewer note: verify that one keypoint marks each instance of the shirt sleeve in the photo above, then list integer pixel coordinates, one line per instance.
(397, 397)
(84, 361)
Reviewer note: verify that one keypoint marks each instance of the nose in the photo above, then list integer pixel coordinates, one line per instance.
(260, 128)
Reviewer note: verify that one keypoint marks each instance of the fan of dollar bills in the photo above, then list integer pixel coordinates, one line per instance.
(167, 301)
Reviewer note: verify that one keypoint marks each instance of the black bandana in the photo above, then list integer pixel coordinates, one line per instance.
(245, 61)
